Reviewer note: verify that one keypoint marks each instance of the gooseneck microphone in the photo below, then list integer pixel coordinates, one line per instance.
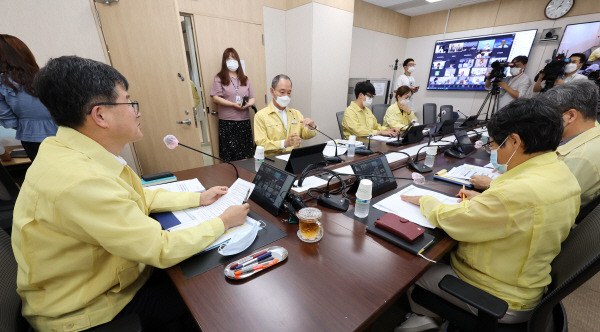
(171, 142)
(367, 151)
(414, 164)
(335, 159)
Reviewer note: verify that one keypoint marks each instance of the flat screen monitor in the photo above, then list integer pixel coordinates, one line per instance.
(271, 187)
(445, 128)
(380, 172)
(470, 122)
(412, 135)
(464, 142)
(582, 38)
(462, 63)
(304, 156)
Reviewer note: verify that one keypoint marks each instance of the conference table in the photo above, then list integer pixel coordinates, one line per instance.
(341, 283)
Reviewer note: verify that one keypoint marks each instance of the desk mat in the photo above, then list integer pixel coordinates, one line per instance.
(205, 261)
(435, 235)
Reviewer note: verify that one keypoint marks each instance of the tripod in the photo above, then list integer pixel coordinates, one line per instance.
(492, 102)
(391, 94)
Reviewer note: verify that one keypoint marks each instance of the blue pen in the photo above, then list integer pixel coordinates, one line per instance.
(254, 260)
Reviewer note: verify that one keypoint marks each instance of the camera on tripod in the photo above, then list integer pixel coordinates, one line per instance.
(497, 73)
(553, 70)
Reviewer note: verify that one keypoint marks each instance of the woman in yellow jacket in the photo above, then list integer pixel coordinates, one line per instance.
(399, 115)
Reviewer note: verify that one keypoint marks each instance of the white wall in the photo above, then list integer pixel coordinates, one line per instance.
(469, 102)
(332, 40)
(275, 50)
(55, 28)
(299, 45)
(373, 54)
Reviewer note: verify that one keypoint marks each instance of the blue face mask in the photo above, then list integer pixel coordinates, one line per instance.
(502, 168)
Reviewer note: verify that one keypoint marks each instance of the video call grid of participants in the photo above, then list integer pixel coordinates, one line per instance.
(461, 64)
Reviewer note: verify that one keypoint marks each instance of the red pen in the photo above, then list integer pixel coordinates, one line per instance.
(247, 259)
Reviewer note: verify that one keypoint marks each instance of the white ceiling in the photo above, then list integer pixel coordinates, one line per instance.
(420, 7)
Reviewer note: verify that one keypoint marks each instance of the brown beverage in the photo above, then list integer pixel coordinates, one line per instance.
(311, 228)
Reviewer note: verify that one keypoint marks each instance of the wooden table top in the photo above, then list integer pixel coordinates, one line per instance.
(341, 283)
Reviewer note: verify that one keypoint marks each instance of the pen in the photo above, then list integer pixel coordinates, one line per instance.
(248, 195)
(247, 259)
(258, 259)
(256, 267)
(269, 159)
(463, 195)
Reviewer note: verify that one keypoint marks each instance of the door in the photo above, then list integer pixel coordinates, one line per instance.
(213, 36)
(145, 43)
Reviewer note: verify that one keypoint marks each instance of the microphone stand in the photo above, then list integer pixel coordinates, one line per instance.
(367, 151)
(237, 175)
(335, 159)
(414, 164)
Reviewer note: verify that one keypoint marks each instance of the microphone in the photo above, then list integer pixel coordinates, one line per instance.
(414, 164)
(171, 142)
(456, 153)
(367, 151)
(335, 159)
(463, 114)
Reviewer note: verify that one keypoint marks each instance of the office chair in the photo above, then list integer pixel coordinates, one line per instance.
(9, 190)
(340, 116)
(10, 301)
(449, 111)
(584, 210)
(429, 113)
(577, 262)
(379, 112)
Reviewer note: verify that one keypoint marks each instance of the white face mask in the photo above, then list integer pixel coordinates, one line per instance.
(232, 65)
(283, 101)
(240, 241)
(411, 69)
(514, 71)
(404, 101)
(571, 67)
(368, 102)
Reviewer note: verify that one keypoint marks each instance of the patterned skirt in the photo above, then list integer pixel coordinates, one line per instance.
(235, 140)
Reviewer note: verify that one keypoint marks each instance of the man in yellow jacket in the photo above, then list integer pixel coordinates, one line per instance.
(509, 234)
(277, 127)
(358, 118)
(81, 234)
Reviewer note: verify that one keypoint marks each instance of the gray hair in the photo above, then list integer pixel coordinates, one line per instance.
(579, 95)
(279, 77)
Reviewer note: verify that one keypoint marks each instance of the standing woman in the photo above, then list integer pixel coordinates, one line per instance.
(20, 107)
(399, 114)
(230, 90)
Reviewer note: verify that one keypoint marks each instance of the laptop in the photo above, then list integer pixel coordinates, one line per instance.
(304, 156)
(412, 135)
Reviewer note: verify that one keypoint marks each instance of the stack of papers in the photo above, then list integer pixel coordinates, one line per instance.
(394, 204)
(466, 171)
(180, 186)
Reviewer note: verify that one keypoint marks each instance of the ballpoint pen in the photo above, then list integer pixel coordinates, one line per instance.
(247, 196)
(247, 259)
(253, 261)
(256, 267)
(463, 194)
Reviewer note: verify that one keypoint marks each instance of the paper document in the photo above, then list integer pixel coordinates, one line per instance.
(195, 216)
(193, 185)
(345, 142)
(285, 157)
(394, 204)
(466, 171)
(329, 150)
(383, 138)
(309, 182)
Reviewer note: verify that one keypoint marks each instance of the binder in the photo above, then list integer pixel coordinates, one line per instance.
(441, 175)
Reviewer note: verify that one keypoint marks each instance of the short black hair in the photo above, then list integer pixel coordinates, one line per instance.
(69, 85)
(521, 58)
(539, 126)
(581, 56)
(364, 88)
(405, 63)
(580, 95)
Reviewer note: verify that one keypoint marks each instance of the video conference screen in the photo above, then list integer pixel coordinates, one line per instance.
(461, 64)
(582, 38)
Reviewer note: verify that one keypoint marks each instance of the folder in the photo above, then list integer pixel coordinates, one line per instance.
(441, 175)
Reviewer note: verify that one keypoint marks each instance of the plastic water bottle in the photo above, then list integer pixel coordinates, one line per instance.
(363, 198)
(259, 157)
(484, 137)
(351, 145)
(431, 151)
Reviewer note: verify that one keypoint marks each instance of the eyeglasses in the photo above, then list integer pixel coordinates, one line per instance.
(487, 146)
(134, 104)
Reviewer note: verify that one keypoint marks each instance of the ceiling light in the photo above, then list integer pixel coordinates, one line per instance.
(432, 1)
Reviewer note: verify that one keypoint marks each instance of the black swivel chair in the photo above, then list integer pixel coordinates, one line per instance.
(578, 261)
(379, 112)
(448, 115)
(9, 191)
(584, 210)
(340, 116)
(10, 301)
(429, 113)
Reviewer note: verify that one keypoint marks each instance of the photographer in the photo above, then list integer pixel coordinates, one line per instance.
(516, 86)
(570, 73)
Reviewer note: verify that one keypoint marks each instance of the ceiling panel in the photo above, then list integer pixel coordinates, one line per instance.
(420, 7)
